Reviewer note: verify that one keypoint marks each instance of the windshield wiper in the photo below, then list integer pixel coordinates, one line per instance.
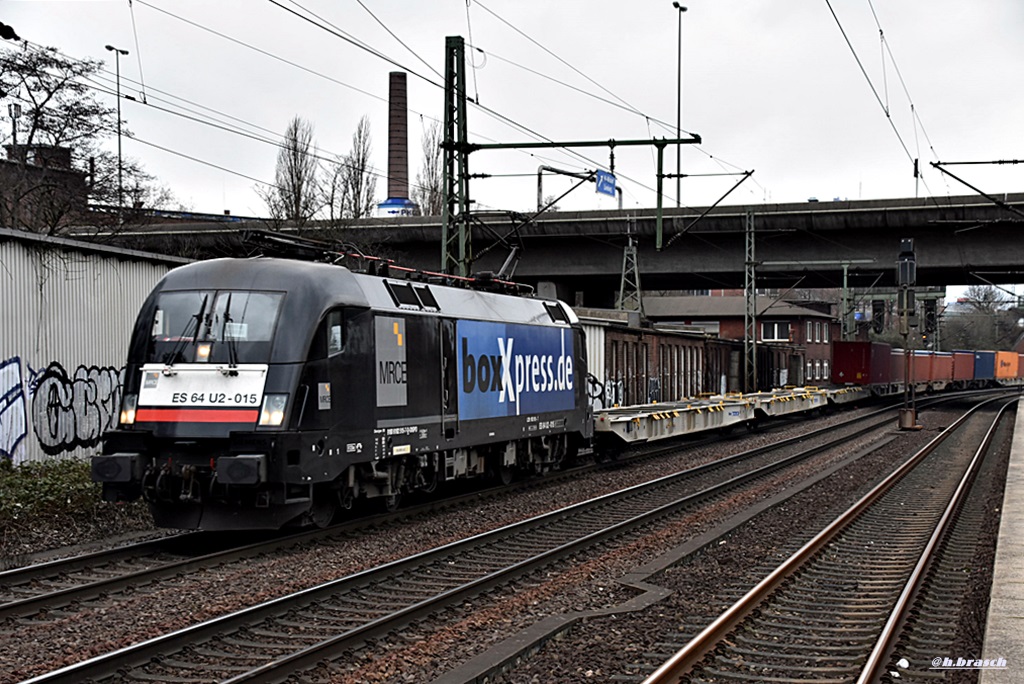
(233, 340)
(173, 356)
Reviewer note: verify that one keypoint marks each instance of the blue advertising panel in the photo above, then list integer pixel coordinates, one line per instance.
(508, 369)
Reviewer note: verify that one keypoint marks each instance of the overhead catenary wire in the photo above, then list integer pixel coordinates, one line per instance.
(266, 53)
(915, 115)
(469, 32)
(623, 104)
(317, 21)
(882, 103)
(333, 160)
(294, 64)
(138, 50)
(585, 160)
(508, 120)
(338, 33)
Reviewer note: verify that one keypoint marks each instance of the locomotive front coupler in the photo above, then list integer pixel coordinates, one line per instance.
(189, 484)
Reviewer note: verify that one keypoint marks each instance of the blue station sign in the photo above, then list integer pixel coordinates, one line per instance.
(605, 183)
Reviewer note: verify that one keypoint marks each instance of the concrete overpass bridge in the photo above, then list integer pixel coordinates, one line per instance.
(958, 240)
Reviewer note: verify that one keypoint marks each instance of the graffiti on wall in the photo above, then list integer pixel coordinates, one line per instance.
(74, 411)
(13, 427)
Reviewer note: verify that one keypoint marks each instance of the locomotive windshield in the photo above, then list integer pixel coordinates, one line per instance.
(220, 326)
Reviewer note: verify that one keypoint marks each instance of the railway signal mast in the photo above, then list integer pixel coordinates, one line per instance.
(906, 277)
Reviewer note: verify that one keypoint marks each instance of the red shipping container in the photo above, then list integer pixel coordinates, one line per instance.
(897, 364)
(860, 363)
(963, 366)
(942, 367)
(921, 366)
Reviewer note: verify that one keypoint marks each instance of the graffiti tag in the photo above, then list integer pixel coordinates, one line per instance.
(13, 428)
(72, 412)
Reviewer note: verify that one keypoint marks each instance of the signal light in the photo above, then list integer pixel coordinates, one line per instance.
(930, 316)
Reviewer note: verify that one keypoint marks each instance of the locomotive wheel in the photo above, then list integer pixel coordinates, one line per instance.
(505, 475)
(323, 509)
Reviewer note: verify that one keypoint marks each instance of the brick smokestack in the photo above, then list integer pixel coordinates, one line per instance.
(398, 137)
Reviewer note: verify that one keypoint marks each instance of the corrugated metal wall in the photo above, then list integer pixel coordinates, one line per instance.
(65, 317)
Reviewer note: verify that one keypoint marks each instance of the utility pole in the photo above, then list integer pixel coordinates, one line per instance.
(679, 105)
(120, 187)
(630, 294)
(456, 233)
(750, 312)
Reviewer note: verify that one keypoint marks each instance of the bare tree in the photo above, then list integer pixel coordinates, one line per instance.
(351, 190)
(58, 164)
(991, 321)
(986, 299)
(296, 194)
(428, 192)
(61, 108)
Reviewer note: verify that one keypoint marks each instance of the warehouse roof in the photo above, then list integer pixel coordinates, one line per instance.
(88, 247)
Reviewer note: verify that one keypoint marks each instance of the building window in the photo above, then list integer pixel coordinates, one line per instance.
(776, 331)
(817, 331)
(817, 369)
(825, 327)
(810, 372)
(809, 330)
(824, 370)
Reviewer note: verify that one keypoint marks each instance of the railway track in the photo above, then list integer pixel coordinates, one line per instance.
(836, 609)
(47, 590)
(300, 630)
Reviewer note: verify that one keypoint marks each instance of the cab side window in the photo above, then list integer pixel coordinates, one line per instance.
(329, 338)
(335, 333)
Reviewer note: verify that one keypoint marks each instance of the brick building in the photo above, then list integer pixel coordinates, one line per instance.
(777, 321)
(39, 190)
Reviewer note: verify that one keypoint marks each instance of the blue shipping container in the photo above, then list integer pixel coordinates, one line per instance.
(984, 365)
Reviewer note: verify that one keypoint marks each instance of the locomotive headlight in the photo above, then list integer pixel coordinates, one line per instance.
(203, 352)
(131, 401)
(272, 411)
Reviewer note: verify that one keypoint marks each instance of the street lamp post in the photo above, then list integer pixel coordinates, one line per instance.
(679, 102)
(117, 62)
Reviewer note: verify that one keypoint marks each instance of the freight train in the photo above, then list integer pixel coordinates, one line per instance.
(265, 392)
(885, 370)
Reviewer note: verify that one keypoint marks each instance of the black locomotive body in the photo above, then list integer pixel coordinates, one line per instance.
(266, 392)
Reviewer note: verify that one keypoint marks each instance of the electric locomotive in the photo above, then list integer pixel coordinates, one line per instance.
(266, 392)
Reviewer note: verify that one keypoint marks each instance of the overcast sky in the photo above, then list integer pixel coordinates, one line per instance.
(771, 87)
